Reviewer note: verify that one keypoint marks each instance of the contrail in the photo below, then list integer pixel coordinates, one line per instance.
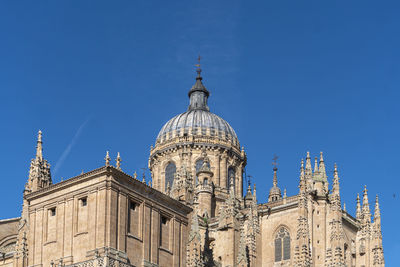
(69, 147)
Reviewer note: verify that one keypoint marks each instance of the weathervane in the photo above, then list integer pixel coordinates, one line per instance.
(274, 161)
(198, 65)
(249, 181)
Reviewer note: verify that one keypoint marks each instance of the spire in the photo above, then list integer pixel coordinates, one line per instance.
(358, 207)
(344, 207)
(39, 148)
(335, 187)
(107, 159)
(39, 172)
(377, 211)
(275, 191)
(365, 205)
(198, 94)
(118, 160)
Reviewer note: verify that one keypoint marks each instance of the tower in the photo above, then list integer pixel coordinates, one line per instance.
(39, 172)
(185, 140)
(275, 191)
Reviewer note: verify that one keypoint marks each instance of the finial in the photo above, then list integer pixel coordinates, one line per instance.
(254, 190)
(107, 159)
(198, 70)
(150, 183)
(135, 175)
(302, 164)
(39, 148)
(249, 190)
(144, 175)
(321, 158)
(344, 207)
(274, 161)
(275, 179)
(118, 160)
(275, 164)
(284, 193)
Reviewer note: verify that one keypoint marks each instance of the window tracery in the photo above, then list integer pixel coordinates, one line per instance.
(170, 171)
(282, 245)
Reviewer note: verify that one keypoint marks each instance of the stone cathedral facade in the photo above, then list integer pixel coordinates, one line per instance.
(194, 212)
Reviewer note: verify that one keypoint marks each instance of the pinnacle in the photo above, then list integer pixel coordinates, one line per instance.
(107, 159)
(118, 161)
(39, 147)
(316, 165)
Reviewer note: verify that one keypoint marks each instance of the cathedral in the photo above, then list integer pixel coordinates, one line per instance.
(194, 212)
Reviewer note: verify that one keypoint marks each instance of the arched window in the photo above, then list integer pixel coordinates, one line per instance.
(198, 165)
(231, 176)
(170, 171)
(282, 245)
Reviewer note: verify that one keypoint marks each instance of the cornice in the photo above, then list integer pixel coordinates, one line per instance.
(66, 183)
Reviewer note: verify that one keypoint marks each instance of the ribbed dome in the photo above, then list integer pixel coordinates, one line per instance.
(198, 120)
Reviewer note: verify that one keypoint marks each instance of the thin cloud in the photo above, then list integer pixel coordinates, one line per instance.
(66, 152)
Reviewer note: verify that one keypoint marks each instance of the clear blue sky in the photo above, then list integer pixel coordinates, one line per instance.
(289, 76)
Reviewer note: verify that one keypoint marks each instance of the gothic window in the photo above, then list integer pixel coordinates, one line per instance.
(231, 176)
(198, 165)
(282, 245)
(170, 171)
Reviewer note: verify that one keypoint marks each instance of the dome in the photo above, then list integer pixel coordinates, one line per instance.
(198, 120)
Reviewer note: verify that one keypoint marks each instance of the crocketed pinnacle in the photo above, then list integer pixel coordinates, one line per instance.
(316, 165)
(39, 147)
(335, 187)
(321, 169)
(358, 207)
(303, 184)
(377, 212)
(198, 94)
(365, 205)
(308, 163)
